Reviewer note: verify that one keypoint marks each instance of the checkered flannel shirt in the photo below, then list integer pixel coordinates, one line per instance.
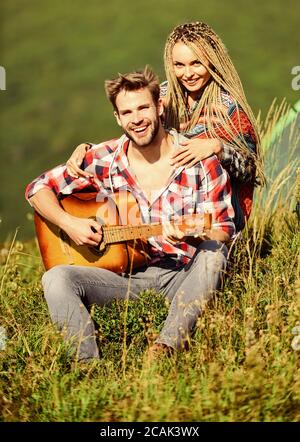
(202, 188)
(239, 164)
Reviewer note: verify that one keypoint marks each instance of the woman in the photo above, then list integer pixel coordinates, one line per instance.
(204, 99)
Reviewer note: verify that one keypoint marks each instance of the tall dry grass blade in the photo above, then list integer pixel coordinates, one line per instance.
(8, 258)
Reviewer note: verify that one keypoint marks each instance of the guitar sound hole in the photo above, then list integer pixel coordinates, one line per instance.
(100, 249)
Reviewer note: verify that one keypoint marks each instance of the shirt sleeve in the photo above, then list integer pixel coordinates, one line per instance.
(216, 189)
(238, 164)
(62, 184)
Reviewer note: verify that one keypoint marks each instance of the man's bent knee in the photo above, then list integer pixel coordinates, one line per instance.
(58, 276)
(213, 246)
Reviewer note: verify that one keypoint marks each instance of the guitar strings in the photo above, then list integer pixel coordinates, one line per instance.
(122, 233)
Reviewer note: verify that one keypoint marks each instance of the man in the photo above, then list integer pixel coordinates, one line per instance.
(186, 270)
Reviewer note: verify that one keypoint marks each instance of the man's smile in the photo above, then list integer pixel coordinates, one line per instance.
(141, 130)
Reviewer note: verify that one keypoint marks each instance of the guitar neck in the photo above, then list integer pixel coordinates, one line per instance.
(115, 234)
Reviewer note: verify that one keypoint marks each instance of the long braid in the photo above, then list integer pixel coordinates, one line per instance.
(207, 46)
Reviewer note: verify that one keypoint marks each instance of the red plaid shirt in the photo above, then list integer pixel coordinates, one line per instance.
(202, 188)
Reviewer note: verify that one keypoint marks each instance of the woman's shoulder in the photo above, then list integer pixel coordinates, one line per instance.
(227, 99)
(230, 103)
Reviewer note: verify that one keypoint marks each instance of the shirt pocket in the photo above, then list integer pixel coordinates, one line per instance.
(114, 183)
(119, 182)
(179, 201)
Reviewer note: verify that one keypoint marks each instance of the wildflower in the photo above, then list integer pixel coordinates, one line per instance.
(296, 343)
(296, 340)
(296, 330)
(250, 338)
(3, 338)
(4, 253)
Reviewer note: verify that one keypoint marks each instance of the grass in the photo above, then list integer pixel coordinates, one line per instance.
(241, 365)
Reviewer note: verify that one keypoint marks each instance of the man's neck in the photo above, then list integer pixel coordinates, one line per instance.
(151, 164)
(159, 149)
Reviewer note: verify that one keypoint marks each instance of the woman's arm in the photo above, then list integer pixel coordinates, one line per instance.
(74, 162)
(195, 150)
(239, 163)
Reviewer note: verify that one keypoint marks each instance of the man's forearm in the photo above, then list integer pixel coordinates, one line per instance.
(46, 204)
(83, 231)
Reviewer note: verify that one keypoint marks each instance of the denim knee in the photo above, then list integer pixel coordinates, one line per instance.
(210, 252)
(213, 246)
(57, 279)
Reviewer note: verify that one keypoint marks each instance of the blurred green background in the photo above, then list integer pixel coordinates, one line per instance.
(58, 53)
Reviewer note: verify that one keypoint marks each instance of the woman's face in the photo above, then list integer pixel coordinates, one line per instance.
(189, 70)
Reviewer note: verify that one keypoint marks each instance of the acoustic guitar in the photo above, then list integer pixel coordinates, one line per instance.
(124, 237)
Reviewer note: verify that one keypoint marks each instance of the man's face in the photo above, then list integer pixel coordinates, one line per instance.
(138, 115)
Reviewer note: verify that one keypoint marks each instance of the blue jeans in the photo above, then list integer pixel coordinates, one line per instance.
(71, 290)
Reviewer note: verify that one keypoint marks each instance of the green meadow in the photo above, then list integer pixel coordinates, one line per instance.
(243, 364)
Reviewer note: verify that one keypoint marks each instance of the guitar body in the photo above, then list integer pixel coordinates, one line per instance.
(57, 248)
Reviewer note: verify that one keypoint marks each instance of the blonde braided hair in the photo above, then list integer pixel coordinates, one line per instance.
(212, 53)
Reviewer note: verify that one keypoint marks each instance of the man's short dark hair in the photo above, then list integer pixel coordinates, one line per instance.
(132, 82)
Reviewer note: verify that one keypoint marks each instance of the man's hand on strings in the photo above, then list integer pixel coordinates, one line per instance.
(83, 231)
(172, 233)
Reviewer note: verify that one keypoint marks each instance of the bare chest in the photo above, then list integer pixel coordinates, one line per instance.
(153, 178)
